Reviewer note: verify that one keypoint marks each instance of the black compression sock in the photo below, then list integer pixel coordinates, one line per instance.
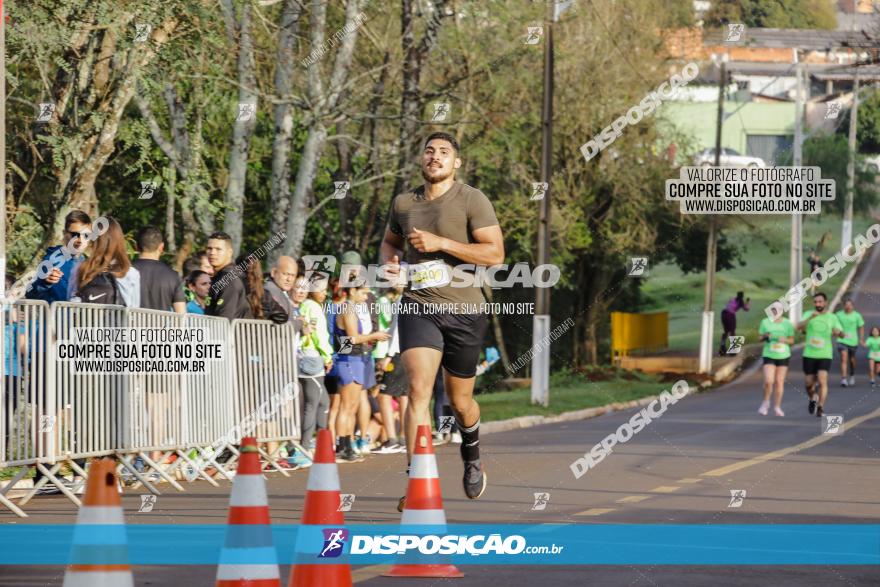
(470, 441)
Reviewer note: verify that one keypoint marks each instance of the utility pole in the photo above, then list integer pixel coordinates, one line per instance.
(846, 234)
(706, 332)
(796, 263)
(541, 320)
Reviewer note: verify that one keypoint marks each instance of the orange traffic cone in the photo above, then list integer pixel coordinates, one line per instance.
(108, 562)
(322, 509)
(248, 506)
(424, 505)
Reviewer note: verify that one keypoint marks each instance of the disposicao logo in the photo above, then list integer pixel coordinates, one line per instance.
(334, 542)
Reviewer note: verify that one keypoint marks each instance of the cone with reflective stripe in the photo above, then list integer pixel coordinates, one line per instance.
(248, 558)
(424, 506)
(100, 556)
(322, 509)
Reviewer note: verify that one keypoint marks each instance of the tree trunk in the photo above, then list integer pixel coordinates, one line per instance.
(242, 130)
(280, 187)
(322, 105)
(305, 175)
(497, 331)
(373, 167)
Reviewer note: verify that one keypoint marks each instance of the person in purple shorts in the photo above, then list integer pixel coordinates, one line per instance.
(728, 318)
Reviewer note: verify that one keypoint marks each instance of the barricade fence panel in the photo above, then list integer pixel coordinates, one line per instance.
(267, 389)
(25, 434)
(53, 408)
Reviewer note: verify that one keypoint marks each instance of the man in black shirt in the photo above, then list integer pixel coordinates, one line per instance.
(161, 286)
(227, 297)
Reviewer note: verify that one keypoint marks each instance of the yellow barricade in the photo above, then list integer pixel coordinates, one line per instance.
(631, 332)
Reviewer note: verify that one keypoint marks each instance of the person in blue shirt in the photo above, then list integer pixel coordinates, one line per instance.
(56, 286)
(14, 344)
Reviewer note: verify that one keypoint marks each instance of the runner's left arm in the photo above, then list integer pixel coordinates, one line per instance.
(487, 251)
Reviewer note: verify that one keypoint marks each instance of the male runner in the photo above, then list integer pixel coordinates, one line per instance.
(819, 326)
(853, 335)
(441, 224)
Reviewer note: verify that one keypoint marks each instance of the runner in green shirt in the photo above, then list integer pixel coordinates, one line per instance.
(853, 335)
(820, 326)
(778, 336)
(873, 344)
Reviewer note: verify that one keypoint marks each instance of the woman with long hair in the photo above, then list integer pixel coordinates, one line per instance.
(108, 264)
(354, 340)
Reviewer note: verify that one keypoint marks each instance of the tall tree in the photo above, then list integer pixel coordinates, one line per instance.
(95, 80)
(322, 103)
(283, 114)
(239, 23)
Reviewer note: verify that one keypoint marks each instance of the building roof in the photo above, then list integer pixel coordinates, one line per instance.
(807, 39)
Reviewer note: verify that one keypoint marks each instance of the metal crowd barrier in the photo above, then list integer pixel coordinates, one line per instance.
(177, 423)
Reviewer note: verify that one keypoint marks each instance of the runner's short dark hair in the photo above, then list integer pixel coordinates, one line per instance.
(446, 137)
(148, 239)
(76, 216)
(819, 293)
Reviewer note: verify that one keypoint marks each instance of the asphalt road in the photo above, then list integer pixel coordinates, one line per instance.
(679, 469)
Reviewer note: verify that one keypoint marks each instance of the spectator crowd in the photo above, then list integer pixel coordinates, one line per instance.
(351, 378)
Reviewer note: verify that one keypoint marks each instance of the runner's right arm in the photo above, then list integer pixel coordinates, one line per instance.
(391, 251)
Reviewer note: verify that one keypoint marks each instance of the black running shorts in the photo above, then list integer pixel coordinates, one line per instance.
(813, 366)
(458, 336)
(777, 362)
(396, 383)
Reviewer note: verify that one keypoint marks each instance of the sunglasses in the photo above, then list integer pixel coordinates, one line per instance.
(78, 234)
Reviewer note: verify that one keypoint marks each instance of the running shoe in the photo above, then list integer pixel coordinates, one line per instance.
(852, 381)
(474, 479)
(299, 460)
(812, 406)
(820, 411)
(778, 411)
(872, 383)
(437, 439)
(843, 382)
(765, 407)
(390, 447)
(362, 445)
(401, 503)
(347, 455)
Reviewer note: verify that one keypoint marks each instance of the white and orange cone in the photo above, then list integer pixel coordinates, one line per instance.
(322, 509)
(424, 505)
(107, 557)
(248, 506)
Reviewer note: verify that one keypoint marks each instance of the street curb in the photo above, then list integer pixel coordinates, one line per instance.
(585, 414)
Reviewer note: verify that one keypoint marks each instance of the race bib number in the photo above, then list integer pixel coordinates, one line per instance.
(778, 347)
(429, 274)
(817, 343)
(874, 355)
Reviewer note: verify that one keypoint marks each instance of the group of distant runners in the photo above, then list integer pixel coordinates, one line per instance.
(819, 327)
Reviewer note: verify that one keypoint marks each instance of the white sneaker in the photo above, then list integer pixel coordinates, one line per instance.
(843, 382)
(779, 412)
(765, 406)
(852, 381)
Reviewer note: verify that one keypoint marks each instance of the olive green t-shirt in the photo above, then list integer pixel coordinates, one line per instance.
(454, 215)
